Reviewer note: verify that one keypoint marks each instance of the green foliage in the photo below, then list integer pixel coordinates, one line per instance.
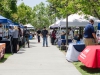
(67, 7)
(41, 16)
(7, 7)
(24, 13)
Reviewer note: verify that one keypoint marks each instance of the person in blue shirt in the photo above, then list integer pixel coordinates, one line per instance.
(89, 34)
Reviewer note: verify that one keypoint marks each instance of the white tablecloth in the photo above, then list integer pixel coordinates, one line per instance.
(72, 54)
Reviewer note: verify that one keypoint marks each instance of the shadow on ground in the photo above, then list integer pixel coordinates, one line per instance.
(21, 49)
(20, 52)
(5, 57)
(33, 42)
(90, 70)
(85, 70)
(3, 60)
(32, 46)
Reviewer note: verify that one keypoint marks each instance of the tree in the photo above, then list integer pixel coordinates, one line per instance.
(24, 13)
(63, 7)
(41, 16)
(90, 7)
(8, 7)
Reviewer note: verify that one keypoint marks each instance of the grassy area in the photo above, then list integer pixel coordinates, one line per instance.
(86, 71)
(5, 58)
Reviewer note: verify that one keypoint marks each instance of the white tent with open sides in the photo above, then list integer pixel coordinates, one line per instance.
(29, 26)
(78, 20)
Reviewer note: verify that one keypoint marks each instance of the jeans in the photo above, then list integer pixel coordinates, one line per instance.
(45, 41)
(26, 40)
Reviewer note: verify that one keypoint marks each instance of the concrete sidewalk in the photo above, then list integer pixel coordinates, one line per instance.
(38, 60)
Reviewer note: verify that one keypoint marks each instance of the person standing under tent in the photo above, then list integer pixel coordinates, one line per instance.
(38, 34)
(10, 32)
(70, 33)
(19, 36)
(15, 39)
(1, 31)
(45, 36)
(53, 36)
(26, 34)
(89, 34)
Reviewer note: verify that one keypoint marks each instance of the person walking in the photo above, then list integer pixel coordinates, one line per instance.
(89, 34)
(45, 36)
(38, 34)
(26, 34)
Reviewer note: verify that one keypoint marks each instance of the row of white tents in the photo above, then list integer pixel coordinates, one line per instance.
(75, 20)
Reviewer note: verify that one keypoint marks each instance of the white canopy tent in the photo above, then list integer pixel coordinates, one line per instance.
(29, 26)
(75, 20)
(55, 25)
(78, 20)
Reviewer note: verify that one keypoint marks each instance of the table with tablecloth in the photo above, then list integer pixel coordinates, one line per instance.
(63, 41)
(74, 51)
(8, 45)
(2, 50)
(90, 56)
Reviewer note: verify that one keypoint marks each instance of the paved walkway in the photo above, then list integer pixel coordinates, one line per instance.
(38, 60)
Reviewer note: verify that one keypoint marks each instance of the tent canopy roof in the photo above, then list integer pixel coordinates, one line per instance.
(29, 26)
(76, 20)
(3, 19)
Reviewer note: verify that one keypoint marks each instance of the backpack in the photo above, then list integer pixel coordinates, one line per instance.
(27, 33)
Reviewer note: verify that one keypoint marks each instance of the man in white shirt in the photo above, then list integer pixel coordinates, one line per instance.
(70, 33)
(1, 31)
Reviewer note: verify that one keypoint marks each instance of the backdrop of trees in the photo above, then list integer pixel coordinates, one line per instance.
(45, 14)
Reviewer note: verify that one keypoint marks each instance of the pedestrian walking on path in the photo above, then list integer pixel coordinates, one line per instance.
(38, 34)
(45, 37)
(26, 34)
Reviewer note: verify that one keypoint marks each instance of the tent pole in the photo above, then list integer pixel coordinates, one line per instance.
(66, 30)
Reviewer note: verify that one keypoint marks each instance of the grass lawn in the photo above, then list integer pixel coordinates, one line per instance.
(82, 69)
(86, 71)
(5, 58)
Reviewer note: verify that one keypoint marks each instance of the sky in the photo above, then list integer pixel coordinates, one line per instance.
(31, 3)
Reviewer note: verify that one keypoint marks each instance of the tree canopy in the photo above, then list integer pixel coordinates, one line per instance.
(44, 15)
(63, 7)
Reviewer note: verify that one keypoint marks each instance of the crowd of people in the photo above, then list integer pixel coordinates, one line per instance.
(70, 34)
(17, 36)
(88, 37)
(15, 33)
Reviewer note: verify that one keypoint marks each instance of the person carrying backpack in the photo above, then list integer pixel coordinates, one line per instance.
(26, 34)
